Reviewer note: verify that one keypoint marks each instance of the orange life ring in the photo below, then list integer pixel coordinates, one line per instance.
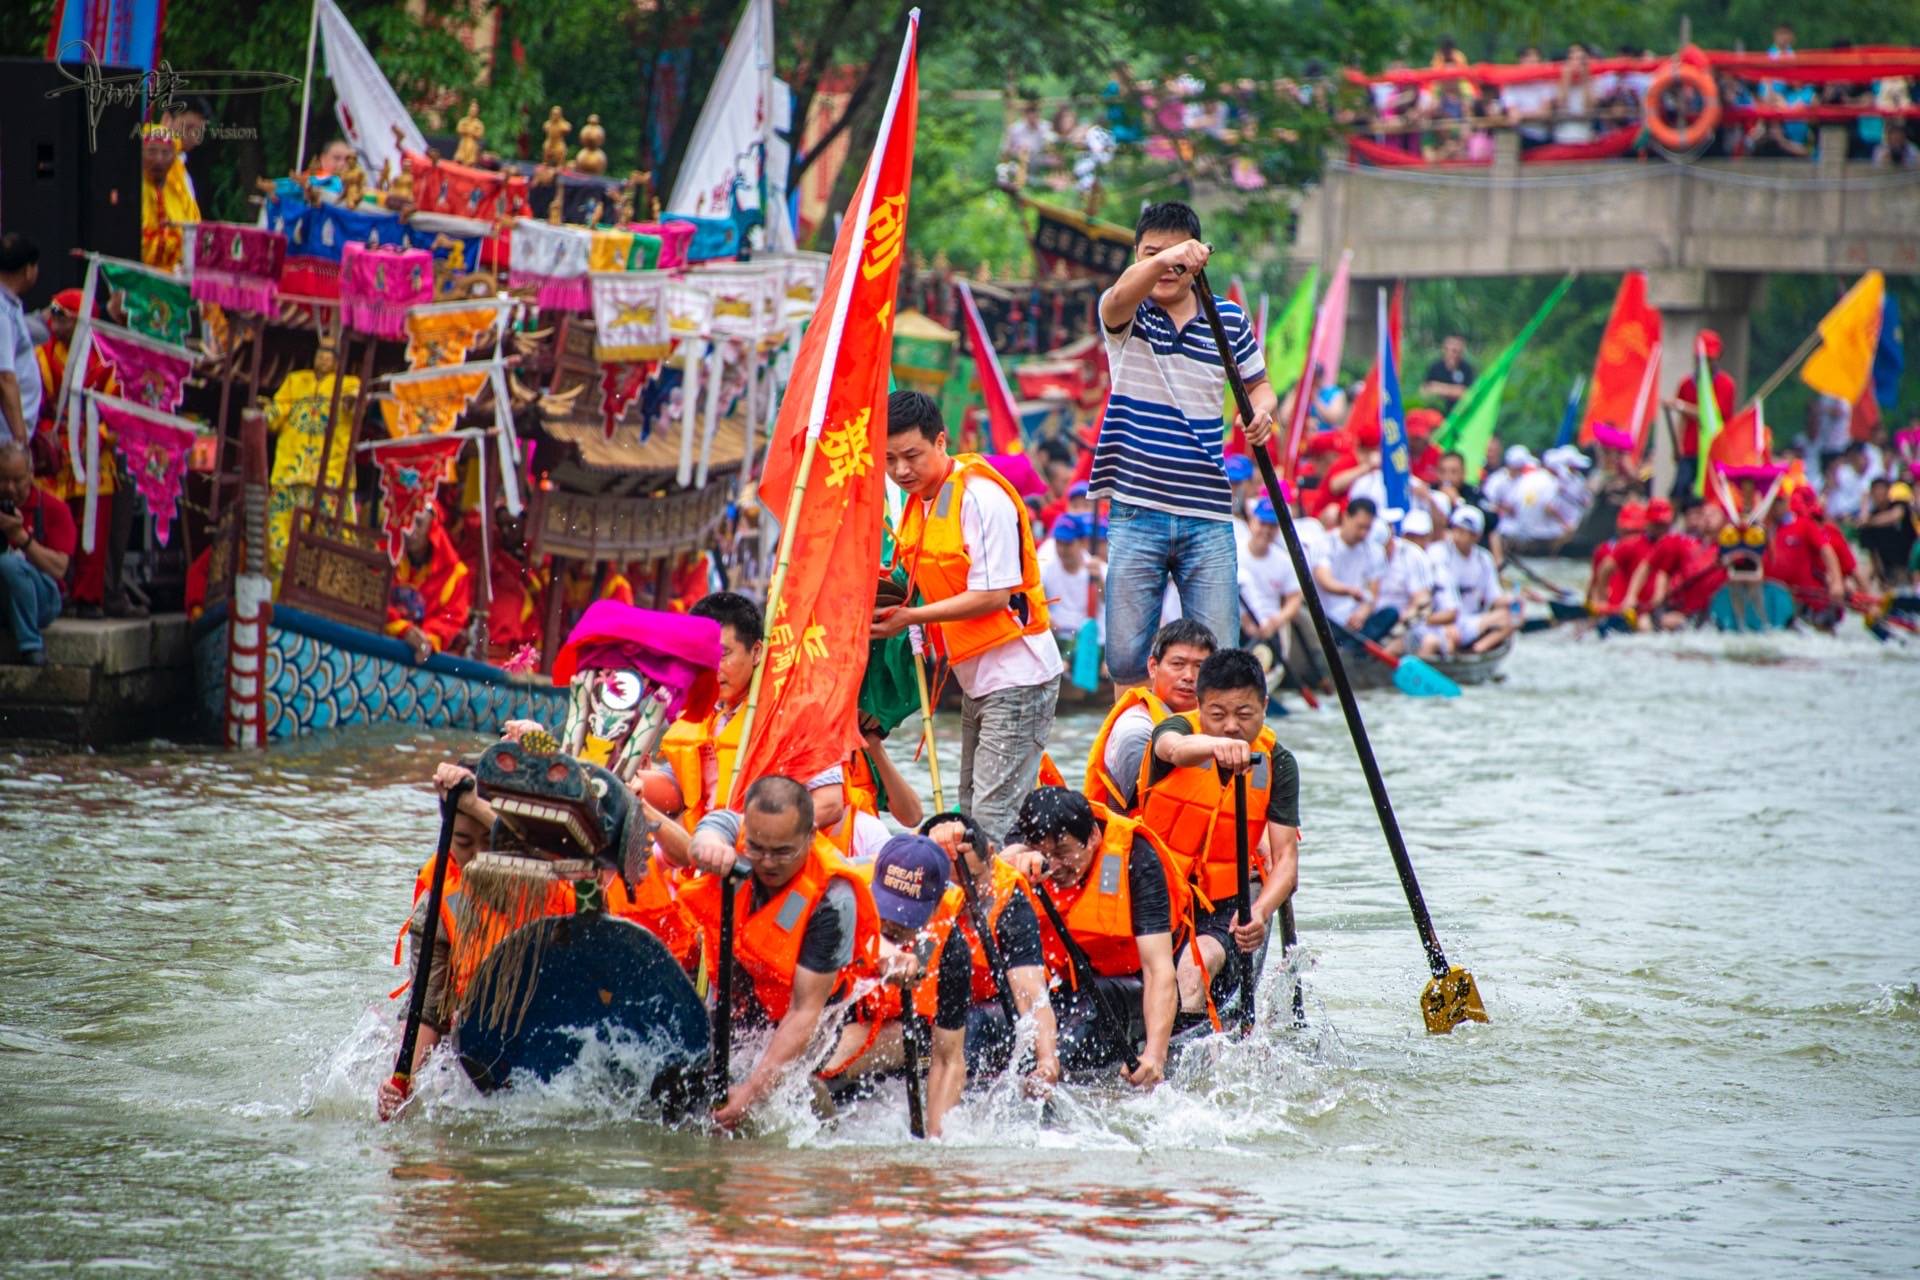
(1686, 77)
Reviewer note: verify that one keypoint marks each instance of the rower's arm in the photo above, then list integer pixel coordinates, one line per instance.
(1638, 580)
(1280, 850)
(1029, 983)
(903, 802)
(960, 608)
(675, 841)
(1597, 589)
(1186, 750)
(946, 1076)
(1159, 994)
(790, 1038)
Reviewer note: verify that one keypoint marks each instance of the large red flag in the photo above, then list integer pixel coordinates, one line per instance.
(804, 719)
(1003, 420)
(1617, 394)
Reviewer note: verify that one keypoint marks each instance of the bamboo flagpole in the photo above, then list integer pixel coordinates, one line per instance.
(306, 88)
(926, 731)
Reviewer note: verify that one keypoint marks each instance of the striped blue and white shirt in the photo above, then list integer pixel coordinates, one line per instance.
(1161, 443)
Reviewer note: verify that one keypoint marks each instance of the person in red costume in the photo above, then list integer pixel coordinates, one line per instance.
(517, 605)
(432, 594)
(1685, 406)
(1614, 562)
(1798, 556)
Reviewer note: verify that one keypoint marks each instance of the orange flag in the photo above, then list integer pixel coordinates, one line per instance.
(1622, 372)
(805, 720)
(1745, 442)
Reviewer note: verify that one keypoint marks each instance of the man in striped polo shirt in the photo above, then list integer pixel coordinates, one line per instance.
(1159, 457)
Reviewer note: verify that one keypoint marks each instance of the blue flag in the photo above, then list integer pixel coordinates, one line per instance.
(1570, 420)
(1889, 357)
(1394, 462)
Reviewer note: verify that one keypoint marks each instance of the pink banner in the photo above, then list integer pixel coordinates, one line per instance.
(237, 266)
(378, 285)
(156, 454)
(408, 474)
(146, 376)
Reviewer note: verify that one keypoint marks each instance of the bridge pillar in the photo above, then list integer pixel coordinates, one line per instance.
(1690, 300)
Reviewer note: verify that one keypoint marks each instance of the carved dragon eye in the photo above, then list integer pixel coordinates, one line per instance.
(1730, 536)
(598, 786)
(620, 691)
(1756, 535)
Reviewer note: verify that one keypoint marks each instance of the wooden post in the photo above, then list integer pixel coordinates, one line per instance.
(662, 581)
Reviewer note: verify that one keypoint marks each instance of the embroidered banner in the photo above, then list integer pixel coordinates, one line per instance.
(408, 474)
(237, 266)
(156, 448)
(150, 375)
(436, 339)
(620, 385)
(630, 316)
(378, 285)
(158, 306)
(674, 239)
(429, 403)
(553, 260)
(610, 251)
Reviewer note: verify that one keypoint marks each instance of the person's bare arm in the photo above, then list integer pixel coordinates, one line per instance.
(1119, 303)
(968, 604)
(1159, 1000)
(790, 1039)
(1280, 853)
(903, 802)
(1638, 580)
(829, 805)
(1323, 575)
(946, 1076)
(11, 407)
(1191, 750)
(1029, 982)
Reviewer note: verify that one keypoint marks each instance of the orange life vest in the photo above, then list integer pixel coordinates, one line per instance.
(938, 562)
(685, 749)
(449, 908)
(1191, 810)
(861, 786)
(1099, 910)
(1006, 883)
(655, 906)
(882, 1004)
(1102, 787)
(767, 942)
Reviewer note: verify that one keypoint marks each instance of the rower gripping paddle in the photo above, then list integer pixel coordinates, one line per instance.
(1086, 976)
(423, 964)
(1243, 901)
(1451, 996)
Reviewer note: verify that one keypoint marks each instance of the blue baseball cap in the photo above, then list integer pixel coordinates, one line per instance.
(1078, 489)
(1069, 528)
(1261, 509)
(1239, 468)
(908, 878)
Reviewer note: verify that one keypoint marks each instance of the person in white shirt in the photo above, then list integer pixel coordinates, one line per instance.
(1071, 580)
(1270, 595)
(1348, 574)
(19, 364)
(985, 608)
(1407, 586)
(1481, 617)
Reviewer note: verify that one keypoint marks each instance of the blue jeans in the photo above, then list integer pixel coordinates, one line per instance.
(1144, 549)
(33, 599)
(1378, 624)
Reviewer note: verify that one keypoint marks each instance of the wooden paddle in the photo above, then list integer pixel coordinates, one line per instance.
(1411, 675)
(1451, 995)
(423, 964)
(910, 1049)
(1243, 901)
(723, 1001)
(1289, 939)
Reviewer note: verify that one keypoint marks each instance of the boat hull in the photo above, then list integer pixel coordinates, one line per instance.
(320, 675)
(1770, 610)
(1364, 672)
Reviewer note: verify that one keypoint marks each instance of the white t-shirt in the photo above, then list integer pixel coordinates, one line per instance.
(1067, 595)
(1471, 580)
(1500, 491)
(1313, 538)
(18, 358)
(1408, 571)
(1532, 99)
(1360, 565)
(990, 525)
(869, 834)
(1266, 581)
(1127, 746)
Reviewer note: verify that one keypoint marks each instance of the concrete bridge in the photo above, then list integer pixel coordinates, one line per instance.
(1706, 233)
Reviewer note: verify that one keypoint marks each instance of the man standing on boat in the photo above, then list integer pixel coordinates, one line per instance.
(968, 547)
(1160, 454)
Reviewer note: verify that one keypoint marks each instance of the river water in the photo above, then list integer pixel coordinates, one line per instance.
(1683, 870)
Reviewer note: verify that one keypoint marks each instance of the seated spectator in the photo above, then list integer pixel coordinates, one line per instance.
(1530, 104)
(1896, 151)
(36, 542)
(432, 594)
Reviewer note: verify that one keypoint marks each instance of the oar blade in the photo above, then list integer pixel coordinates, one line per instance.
(1451, 1000)
(1417, 679)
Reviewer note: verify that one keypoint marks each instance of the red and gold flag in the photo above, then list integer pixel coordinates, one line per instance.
(1621, 371)
(804, 721)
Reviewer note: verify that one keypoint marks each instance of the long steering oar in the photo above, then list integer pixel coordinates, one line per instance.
(1451, 996)
(926, 729)
(423, 964)
(1243, 901)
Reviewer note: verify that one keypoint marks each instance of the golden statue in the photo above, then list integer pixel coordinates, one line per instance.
(400, 190)
(471, 131)
(353, 182)
(554, 151)
(590, 158)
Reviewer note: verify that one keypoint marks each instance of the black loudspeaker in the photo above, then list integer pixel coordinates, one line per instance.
(66, 182)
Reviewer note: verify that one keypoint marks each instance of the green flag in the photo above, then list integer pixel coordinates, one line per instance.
(1287, 341)
(158, 305)
(1470, 425)
(1710, 423)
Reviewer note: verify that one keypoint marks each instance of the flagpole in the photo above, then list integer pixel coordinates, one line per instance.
(306, 87)
(926, 727)
(1791, 363)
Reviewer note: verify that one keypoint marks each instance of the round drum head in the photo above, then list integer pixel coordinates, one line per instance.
(592, 973)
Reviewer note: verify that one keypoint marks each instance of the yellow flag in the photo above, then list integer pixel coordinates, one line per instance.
(1843, 366)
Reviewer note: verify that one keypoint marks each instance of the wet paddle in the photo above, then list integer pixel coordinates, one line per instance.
(723, 1002)
(1243, 900)
(1289, 939)
(1412, 676)
(1451, 995)
(1086, 978)
(429, 930)
(910, 1049)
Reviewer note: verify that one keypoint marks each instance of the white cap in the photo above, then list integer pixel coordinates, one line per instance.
(1417, 524)
(1518, 455)
(1467, 516)
(1567, 455)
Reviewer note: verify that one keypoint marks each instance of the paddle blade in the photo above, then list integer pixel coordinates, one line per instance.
(1447, 1002)
(1050, 775)
(1416, 679)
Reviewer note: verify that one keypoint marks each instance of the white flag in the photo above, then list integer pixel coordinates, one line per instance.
(366, 104)
(728, 155)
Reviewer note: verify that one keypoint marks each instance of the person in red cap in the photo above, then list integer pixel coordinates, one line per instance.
(1798, 556)
(1685, 407)
(1614, 561)
(1665, 588)
(1424, 465)
(1652, 566)
(95, 583)
(1360, 460)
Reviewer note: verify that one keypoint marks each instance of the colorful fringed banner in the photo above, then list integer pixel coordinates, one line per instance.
(151, 374)
(630, 317)
(437, 338)
(408, 474)
(155, 446)
(237, 267)
(553, 261)
(378, 285)
(159, 306)
(431, 401)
